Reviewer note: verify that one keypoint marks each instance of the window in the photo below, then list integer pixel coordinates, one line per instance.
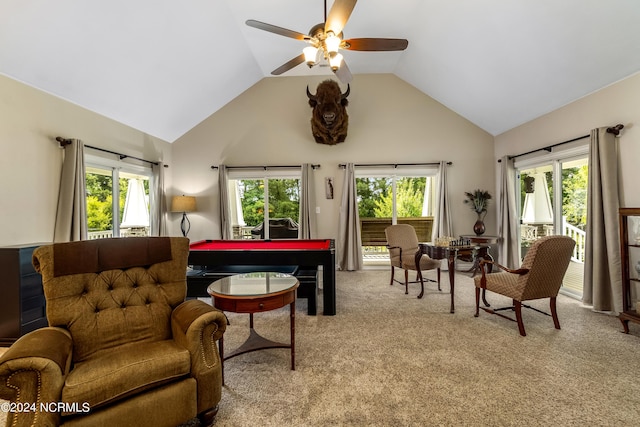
(117, 195)
(262, 197)
(393, 196)
(553, 200)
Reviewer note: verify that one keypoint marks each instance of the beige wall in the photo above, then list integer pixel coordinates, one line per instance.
(618, 103)
(389, 122)
(31, 159)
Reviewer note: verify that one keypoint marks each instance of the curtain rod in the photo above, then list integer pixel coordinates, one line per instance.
(65, 141)
(395, 165)
(613, 129)
(268, 167)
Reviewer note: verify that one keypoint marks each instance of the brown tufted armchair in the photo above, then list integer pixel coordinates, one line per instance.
(540, 276)
(122, 347)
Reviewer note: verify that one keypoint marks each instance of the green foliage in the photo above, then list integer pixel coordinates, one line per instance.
(409, 199)
(574, 195)
(370, 190)
(99, 202)
(284, 199)
(99, 214)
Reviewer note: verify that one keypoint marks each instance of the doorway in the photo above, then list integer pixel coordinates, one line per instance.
(553, 200)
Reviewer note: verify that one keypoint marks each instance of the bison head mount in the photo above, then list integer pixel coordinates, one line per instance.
(329, 118)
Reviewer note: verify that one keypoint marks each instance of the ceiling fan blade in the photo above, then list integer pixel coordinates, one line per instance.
(289, 65)
(339, 15)
(372, 44)
(343, 73)
(277, 30)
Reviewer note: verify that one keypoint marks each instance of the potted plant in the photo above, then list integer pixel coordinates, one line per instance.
(478, 201)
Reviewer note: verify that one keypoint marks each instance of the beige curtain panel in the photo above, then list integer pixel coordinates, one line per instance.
(349, 237)
(508, 215)
(71, 216)
(307, 223)
(602, 266)
(158, 205)
(225, 208)
(442, 214)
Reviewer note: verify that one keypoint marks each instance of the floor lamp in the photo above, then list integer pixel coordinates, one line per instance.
(184, 204)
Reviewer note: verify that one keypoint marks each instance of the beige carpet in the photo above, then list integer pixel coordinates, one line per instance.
(389, 359)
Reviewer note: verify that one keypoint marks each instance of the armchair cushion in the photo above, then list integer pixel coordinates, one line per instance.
(125, 370)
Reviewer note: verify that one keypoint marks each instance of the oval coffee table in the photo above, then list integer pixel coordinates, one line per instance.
(254, 293)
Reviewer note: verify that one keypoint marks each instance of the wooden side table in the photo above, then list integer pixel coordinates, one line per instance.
(484, 246)
(451, 253)
(254, 293)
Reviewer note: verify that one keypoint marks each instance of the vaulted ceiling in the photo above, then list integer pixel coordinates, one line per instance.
(163, 66)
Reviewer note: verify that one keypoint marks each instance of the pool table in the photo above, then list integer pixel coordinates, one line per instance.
(281, 252)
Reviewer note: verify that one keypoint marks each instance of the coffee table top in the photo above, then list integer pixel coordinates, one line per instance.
(259, 283)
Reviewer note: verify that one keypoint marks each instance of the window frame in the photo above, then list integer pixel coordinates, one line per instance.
(265, 174)
(117, 167)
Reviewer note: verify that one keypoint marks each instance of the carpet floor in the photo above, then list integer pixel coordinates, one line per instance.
(390, 359)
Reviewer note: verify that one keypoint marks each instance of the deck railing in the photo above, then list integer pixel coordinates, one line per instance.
(104, 234)
(580, 236)
(124, 232)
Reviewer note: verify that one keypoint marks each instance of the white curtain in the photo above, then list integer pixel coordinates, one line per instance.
(158, 203)
(349, 238)
(602, 265)
(71, 216)
(307, 223)
(507, 216)
(226, 230)
(442, 226)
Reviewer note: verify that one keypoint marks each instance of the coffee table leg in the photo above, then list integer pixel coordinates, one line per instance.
(292, 319)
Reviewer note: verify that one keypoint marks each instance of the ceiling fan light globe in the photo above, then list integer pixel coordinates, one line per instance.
(332, 42)
(310, 55)
(335, 61)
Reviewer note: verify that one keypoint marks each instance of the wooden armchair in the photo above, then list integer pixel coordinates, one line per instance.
(402, 242)
(540, 276)
(123, 347)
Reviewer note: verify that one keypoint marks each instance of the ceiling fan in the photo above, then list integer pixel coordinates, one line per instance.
(326, 39)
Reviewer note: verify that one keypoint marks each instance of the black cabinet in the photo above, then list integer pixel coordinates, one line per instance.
(22, 305)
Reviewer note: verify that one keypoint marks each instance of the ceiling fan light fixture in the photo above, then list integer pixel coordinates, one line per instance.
(310, 55)
(335, 61)
(332, 42)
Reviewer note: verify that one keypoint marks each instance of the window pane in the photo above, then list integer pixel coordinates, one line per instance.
(374, 197)
(247, 206)
(410, 196)
(536, 201)
(413, 201)
(284, 198)
(99, 185)
(133, 205)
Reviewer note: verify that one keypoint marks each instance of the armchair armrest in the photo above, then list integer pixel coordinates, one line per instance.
(519, 271)
(197, 326)
(33, 371)
(483, 279)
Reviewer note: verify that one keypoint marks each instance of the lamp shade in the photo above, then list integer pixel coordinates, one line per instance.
(183, 204)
